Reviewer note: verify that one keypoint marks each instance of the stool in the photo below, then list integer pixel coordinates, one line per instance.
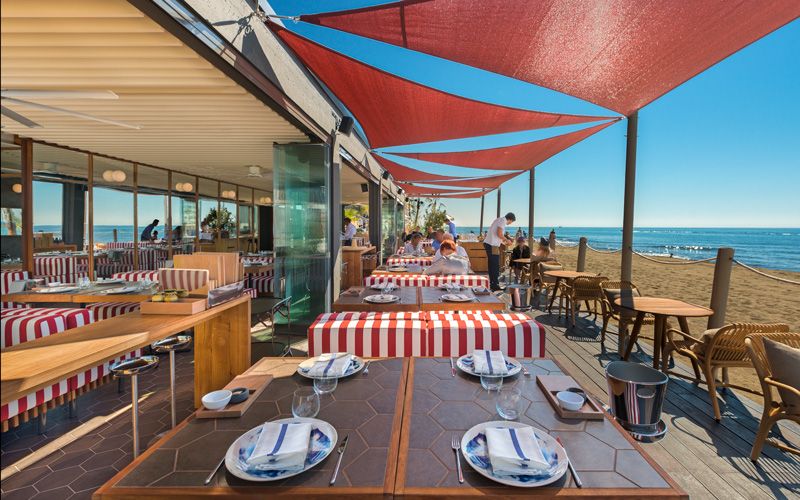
(170, 345)
(132, 368)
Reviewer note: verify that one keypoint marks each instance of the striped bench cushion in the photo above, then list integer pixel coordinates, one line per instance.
(105, 310)
(54, 265)
(18, 329)
(252, 292)
(109, 269)
(461, 279)
(84, 378)
(397, 279)
(137, 275)
(73, 317)
(33, 400)
(458, 334)
(368, 334)
(262, 283)
(6, 278)
(188, 279)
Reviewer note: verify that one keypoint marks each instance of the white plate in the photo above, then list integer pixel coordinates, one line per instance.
(465, 364)
(304, 367)
(324, 439)
(397, 268)
(58, 289)
(473, 446)
(124, 289)
(451, 297)
(381, 299)
(109, 281)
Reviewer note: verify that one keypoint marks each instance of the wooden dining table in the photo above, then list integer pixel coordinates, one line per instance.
(82, 296)
(661, 309)
(400, 418)
(353, 299)
(562, 275)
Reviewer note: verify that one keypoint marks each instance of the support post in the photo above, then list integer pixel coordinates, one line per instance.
(552, 240)
(626, 271)
(531, 190)
(582, 255)
(480, 227)
(26, 151)
(498, 202)
(720, 287)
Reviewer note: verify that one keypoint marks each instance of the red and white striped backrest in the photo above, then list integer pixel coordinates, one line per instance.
(61, 265)
(461, 279)
(188, 279)
(456, 334)
(397, 279)
(18, 329)
(7, 277)
(137, 275)
(399, 334)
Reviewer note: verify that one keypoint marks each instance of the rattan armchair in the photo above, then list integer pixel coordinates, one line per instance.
(720, 348)
(546, 283)
(775, 408)
(583, 289)
(613, 290)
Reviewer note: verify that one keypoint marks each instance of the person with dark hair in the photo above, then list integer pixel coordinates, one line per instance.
(147, 233)
(437, 239)
(349, 232)
(414, 247)
(521, 251)
(494, 238)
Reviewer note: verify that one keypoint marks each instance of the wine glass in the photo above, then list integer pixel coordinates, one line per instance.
(305, 403)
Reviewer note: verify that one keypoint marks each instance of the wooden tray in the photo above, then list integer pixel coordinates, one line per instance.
(254, 381)
(553, 384)
(188, 305)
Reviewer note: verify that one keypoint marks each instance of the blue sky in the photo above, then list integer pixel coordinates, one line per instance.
(720, 150)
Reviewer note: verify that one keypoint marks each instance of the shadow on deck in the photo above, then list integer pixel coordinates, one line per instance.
(708, 459)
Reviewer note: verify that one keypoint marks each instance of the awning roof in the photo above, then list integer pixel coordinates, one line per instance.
(517, 157)
(620, 54)
(395, 111)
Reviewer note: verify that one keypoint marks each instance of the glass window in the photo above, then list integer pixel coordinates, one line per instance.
(388, 225)
(152, 212)
(263, 200)
(245, 207)
(184, 211)
(227, 216)
(113, 217)
(11, 207)
(209, 190)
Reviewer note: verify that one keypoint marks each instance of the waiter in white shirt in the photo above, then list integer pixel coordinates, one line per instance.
(494, 238)
(349, 232)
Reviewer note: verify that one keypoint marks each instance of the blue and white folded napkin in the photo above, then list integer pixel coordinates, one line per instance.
(281, 446)
(489, 362)
(514, 451)
(334, 364)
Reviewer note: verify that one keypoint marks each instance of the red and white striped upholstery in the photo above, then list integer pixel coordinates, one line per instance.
(461, 279)
(73, 317)
(105, 310)
(137, 275)
(63, 278)
(261, 259)
(152, 258)
(252, 292)
(262, 283)
(33, 400)
(18, 329)
(188, 279)
(6, 278)
(87, 377)
(108, 269)
(399, 261)
(368, 334)
(59, 265)
(457, 334)
(397, 279)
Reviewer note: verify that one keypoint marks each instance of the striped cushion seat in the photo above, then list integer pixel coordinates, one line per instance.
(188, 279)
(399, 261)
(6, 278)
(252, 292)
(18, 329)
(60, 265)
(137, 275)
(33, 400)
(87, 377)
(63, 278)
(461, 279)
(109, 269)
(368, 334)
(105, 310)
(262, 283)
(397, 279)
(457, 334)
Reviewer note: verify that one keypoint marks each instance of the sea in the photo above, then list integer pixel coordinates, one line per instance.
(770, 248)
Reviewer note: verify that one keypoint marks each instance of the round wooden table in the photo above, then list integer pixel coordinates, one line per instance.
(661, 309)
(561, 275)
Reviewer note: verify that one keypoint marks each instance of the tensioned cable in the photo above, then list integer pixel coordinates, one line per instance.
(776, 278)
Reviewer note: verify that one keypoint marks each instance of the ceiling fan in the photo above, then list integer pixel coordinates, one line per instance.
(20, 97)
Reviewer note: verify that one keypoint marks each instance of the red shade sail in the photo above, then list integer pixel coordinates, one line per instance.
(411, 189)
(619, 54)
(518, 156)
(408, 174)
(423, 192)
(395, 111)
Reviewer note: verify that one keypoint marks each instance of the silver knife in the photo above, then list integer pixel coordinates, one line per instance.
(452, 368)
(340, 451)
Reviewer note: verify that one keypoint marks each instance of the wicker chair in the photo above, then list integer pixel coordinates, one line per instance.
(619, 289)
(583, 289)
(545, 283)
(775, 408)
(720, 348)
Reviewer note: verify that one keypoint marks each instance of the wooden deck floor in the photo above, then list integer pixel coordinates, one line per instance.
(708, 459)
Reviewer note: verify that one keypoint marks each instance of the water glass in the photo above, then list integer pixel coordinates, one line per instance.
(509, 403)
(492, 382)
(325, 385)
(305, 403)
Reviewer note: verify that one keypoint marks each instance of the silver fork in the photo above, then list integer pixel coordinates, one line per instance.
(456, 445)
(366, 367)
(525, 371)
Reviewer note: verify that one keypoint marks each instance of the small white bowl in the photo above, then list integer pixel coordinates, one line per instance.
(217, 400)
(570, 400)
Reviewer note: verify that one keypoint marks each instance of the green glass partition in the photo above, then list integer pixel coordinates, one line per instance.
(301, 215)
(388, 226)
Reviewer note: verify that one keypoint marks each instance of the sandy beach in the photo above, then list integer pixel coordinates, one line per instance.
(752, 298)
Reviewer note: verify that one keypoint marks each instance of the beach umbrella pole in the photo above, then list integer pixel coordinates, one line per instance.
(626, 271)
(498, 202)
(480, 228)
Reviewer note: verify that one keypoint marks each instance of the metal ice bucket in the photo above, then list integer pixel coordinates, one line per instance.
(636, 395)
(520, 300)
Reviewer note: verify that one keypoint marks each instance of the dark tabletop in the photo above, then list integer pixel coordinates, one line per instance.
(409, 300)
(431, 300)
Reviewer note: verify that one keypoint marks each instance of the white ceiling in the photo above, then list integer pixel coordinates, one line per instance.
(193, 118)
